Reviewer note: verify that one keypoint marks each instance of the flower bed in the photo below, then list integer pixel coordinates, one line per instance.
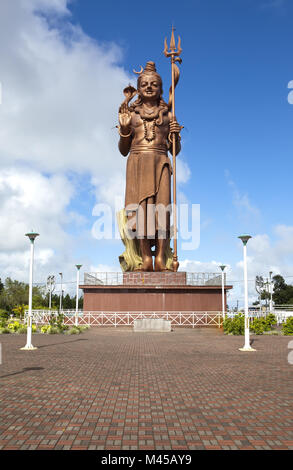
(55, 327)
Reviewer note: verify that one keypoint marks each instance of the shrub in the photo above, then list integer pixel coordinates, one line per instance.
(3, 322)
(234, 326)
(14, 326)
(5, 331)
(52, 330)
(3, 314)
(58, 322)
(82, 328)
(73, 331)
(21, 330)
(287, 328)
(258, 326)
(85, 327)
(19, 310)
(45, 328)
(263, 324)
(271, 320)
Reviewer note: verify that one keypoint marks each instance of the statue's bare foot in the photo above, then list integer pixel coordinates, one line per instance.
(147, 264)
(160, 265)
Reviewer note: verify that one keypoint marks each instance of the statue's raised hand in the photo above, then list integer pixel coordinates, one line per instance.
(124, 119)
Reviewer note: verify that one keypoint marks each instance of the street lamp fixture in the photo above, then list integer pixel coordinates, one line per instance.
(246, 347)
(50, 288)
(29, 347)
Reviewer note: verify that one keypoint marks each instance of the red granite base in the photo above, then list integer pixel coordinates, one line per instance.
(157, 292)
(154, 279)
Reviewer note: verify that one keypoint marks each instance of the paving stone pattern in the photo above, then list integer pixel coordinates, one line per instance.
(116, 389)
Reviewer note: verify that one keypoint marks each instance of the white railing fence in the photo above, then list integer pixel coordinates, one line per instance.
(183, 319)
(190, 279)
(189, 319)
(281, 315)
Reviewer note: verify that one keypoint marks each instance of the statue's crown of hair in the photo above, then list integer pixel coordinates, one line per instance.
(150, 67)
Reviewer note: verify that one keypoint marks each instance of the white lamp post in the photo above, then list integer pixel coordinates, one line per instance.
(51, 287)
(60, 305)
(246, 346)
(29, 347)
(271, 292)
(78, 266)
(222, 267)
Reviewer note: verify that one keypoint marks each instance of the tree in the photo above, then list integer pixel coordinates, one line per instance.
(14, 296)
(67, 303)
(16, 293)
(283, 293)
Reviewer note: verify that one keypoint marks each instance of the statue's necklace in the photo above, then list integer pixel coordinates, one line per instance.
(152, 136)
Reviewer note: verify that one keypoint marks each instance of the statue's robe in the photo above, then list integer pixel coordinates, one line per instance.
(144, 172)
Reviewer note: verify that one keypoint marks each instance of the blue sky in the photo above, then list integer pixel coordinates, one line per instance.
(232, 100)
(236, 157)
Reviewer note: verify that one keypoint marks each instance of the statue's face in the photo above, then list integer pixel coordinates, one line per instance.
(150, 87)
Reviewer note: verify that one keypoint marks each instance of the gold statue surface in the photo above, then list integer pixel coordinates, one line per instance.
(147, 128)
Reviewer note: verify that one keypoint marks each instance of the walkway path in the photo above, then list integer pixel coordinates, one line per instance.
(115, 389)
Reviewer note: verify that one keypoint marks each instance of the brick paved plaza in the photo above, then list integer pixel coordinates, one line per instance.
(116, 389)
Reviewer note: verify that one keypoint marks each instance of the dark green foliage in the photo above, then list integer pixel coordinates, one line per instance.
(58, 322)
(259, 325)
(234, 326)
(15, 293)
(14, 296)
(287, 328)
(3, 314)
(68, 303)
(3, 318)
(271, 320)
(283, 293)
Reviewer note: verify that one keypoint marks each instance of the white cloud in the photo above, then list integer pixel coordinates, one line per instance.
(263, 255)
(273, 4)
(30, 200)
(59, 6)
(201, 267)
(183, 172)
(247, 213)
(103, 268)
(60, 96)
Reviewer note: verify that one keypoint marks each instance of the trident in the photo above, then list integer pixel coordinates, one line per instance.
(174, 54)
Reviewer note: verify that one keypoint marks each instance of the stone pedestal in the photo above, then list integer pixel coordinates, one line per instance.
(153, 292)
(158, 325)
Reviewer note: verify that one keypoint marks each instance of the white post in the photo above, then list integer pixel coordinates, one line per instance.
(246, 346)
(60, 305)
(222, 267)
(32, 236)
(50, 284)
(247, 342)
(78, 266)
(271, 293)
